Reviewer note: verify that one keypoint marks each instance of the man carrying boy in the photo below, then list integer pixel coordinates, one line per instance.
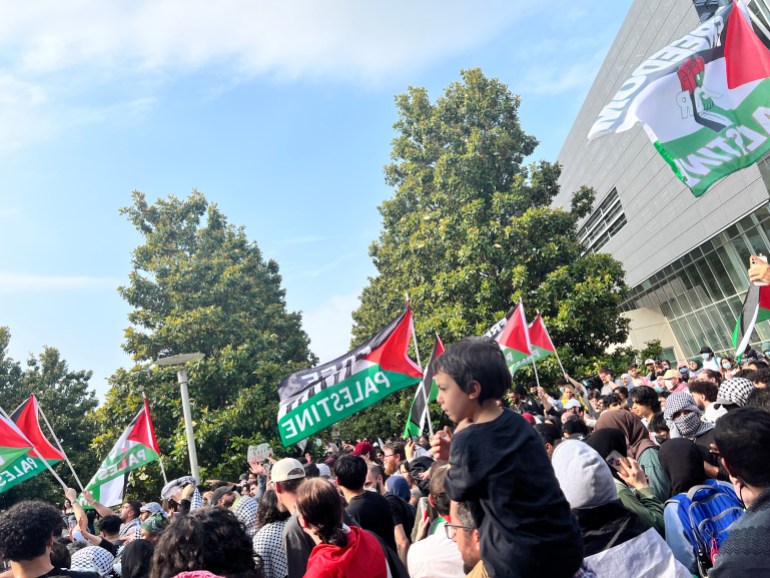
(499, 467)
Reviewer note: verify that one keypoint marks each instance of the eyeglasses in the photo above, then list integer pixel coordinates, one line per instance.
(451, 530)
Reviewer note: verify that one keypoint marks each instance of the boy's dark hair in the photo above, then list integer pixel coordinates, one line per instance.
(646, 396)
(268, 511)
(476, 359)
(350, 471)
(759, 398)
(708, 389)
(658, 423)
(206, 539)
(749, 374)
(291, 486)
(715, 375)
(741, 436)
(311, 470)
(664, 394)
(575, 428)
(136, 506)
(548, 433)
(611, 399)
(110, 524)
(762, 376)
(60, 556)
(621, 390)
(562, 381)
(26, 528)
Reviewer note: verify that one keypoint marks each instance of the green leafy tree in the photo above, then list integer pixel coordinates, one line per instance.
(470, 230)
(68, 402)
(198, 284)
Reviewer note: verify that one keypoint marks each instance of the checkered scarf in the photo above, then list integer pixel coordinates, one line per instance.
(735, 390)
(93, 559)
(687, 426)
(245, 509)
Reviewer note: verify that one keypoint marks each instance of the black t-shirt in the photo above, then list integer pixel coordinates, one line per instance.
(67, 572)
(372, 511)
(502, 471)
(402, 511)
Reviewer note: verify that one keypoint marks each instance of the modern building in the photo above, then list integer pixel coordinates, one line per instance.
(685, 257)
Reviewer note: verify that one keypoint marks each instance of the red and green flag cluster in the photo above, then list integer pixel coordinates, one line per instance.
(514, 340)
(31, 462)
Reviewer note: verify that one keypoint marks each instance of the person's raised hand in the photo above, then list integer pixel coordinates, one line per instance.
(71, 494)
(632, 474)
(409, 450)
(88, 497)
(759, 271)
(187, 491)
(440, 443)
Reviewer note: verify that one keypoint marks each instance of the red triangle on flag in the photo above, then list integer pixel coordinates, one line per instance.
(10, 436)
(393, 355)
(26, 419)
(538, 335)
(142, 430)
(746, 58)
(516, 335)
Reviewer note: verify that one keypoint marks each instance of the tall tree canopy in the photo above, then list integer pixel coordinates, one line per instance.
(68, 402)
(470, 230)
(198, 284)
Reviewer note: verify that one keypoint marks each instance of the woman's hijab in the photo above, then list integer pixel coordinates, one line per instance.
(637, 436)
(683, 463)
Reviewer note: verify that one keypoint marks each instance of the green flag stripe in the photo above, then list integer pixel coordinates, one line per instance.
(339, 401)
(21, 470)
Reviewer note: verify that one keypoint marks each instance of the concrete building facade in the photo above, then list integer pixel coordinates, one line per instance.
(685, 257)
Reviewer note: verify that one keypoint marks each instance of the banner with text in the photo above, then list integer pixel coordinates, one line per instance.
(313, 399)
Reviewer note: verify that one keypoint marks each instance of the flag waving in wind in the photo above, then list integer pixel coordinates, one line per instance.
(415, 424)
(704, 100)
(136, 447)
(30, 464)
(315, 398)
(13, 444)
(756, 308)
(514, 340)
(540, 341)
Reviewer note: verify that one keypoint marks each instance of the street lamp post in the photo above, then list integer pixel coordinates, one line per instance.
(181, 376)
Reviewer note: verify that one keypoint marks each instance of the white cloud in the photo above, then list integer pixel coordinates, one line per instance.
(303, 38)
(11, 282)
(329, 326)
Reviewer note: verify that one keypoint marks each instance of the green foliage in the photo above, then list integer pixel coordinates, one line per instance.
(67, 401)
(199, 285)
(470, 230)
(652, 350)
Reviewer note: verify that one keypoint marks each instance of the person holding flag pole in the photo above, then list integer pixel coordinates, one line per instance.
(426, 413)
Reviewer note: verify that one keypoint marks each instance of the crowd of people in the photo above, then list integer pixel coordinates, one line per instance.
(661, 472)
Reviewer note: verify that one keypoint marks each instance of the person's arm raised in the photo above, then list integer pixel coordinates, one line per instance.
(101, 509)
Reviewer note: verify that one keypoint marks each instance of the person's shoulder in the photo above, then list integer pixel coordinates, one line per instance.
(71, 573)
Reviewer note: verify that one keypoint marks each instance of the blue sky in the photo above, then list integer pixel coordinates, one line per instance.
(281, 113)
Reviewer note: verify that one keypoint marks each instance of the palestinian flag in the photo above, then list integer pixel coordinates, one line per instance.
(704, 100)
(135, 448)
(315, 398)
(13, 445)
(540, 341)
(514, 340)
(418, 414)
(756, 309)
(30, 464)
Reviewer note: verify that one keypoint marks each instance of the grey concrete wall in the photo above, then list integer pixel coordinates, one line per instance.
(665, 220)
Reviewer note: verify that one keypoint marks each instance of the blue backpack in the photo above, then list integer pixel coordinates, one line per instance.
(706, 513)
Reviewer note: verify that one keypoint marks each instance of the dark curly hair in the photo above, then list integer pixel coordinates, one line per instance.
(320, 504)
(268, 511)
(206, 539)
(26, 528)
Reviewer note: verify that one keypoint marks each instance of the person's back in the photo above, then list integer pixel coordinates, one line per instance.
(742, 438)
(499, 467)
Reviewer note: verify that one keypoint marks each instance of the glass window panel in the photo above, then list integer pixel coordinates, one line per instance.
(711, 271)
(723, 325)
(691, 334)
(695, 287)
(737, 276)
(728, 315)
(712, 337)
(763, 330)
